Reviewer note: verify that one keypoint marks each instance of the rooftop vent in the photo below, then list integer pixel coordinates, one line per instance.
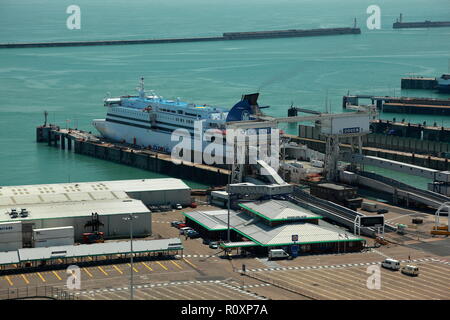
(13, 214)
(24, 212)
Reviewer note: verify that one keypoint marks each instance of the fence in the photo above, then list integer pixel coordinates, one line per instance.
(39, 292)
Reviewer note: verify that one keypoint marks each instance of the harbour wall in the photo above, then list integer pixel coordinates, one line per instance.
(421, 24)
(419, 83)
(85, 143)
(225, 36)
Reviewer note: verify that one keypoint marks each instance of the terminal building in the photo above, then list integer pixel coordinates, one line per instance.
(27, 208)
(271, 224)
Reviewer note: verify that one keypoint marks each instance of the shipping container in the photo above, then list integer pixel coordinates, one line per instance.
(50, 233)
(67, 241)
(10, 246)
(7, 227)
(11, 237)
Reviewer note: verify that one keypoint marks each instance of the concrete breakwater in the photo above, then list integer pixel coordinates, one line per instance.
(421, 24)
(87, 144)
(224, 37)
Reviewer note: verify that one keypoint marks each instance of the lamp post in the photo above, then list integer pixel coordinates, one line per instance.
(130, 220)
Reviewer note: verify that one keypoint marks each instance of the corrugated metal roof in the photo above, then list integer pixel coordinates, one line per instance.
(76, 209)
(98, 249)
(9, 257)
(209, 221)
(256, 230)
(279, 210)
(77, 187)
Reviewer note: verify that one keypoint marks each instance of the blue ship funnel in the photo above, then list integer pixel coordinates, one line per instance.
(245, 108)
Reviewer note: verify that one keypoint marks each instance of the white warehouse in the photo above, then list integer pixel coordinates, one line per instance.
(27, 208)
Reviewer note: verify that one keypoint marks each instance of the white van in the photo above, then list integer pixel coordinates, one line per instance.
(411, 270)
(277, 254)
(391, 264)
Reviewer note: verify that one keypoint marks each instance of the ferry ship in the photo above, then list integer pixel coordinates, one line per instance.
(149, 120)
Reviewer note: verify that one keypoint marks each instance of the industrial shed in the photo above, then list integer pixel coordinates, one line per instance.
(150, 191)
(77, 214)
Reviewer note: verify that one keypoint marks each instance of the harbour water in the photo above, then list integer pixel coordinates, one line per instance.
(70, 83)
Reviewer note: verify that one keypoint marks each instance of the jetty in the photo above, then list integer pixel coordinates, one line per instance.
(399, 24)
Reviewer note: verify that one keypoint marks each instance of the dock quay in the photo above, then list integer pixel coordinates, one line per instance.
(85, 143)
(422, 83)
(402, 104)
(225, 36)
(399, 136)
(437, 163)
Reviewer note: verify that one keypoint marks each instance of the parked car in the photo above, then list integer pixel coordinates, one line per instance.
(382, 211)
(176, 223)
(184, 230)
(178, 206)
(192, 234)
(391, 264)
(194, 205)
(410, 270)
(181, 225)
(214, 245)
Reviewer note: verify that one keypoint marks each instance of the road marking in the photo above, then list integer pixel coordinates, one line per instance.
(162, 265)
(40, 276)
(25, 279)
(192, 265)
(118, 270)
(101, 269)
(56, 275)
(135, 270)
(89, 274)
(9, 280)
(176, 264)
(147, 266)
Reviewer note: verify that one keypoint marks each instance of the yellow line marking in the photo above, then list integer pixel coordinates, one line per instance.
(189, 263)
(60, 260)
(162, 265)
(101, 269)
(87, 271)
(118, 270)
(135, 270)
(9, 281)
(25, 279)
(89, 258)
(56, 275)
(176, 264)
(147, 266)
(40, 276)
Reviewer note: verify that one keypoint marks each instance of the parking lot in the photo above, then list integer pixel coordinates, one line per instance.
(350, 283)
(186, 290)
(103, 274)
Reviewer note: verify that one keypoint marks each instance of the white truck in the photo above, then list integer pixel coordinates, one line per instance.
(277, 254)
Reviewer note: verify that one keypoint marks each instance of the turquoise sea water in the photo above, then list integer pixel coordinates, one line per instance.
(70, 83)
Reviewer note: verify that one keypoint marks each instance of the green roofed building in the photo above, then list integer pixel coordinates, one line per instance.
(270, 224)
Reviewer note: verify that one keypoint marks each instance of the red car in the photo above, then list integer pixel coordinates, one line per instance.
(181, 225)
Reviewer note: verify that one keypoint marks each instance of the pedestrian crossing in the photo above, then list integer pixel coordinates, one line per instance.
(331, 266)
